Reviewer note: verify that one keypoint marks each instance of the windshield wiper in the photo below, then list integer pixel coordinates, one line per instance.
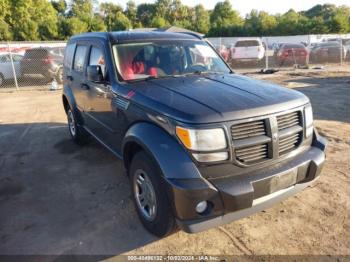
(141, 79)
(198, 72)
(149, 78)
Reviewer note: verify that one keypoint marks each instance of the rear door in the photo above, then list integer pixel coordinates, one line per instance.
(76, 76)
(17, 64)
(5, 67)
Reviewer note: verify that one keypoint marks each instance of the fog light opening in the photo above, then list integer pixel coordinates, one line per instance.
(201, 207)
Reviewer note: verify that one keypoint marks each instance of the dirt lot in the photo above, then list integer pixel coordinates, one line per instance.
(58, 198)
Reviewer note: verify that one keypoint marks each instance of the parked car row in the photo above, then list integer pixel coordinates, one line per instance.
(284, 54)
(44, 61)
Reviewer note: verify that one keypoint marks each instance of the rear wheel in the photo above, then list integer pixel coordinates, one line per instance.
(77, 133)
(1, 79)
(59, 76)
(149, 195)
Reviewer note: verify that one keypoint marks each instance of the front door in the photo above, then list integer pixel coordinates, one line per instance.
(101, 118)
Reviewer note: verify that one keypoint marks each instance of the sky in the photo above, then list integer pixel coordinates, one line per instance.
(245, 6)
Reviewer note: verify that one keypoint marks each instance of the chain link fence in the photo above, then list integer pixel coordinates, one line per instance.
(285, 52)
(39, 64)
(31, 64)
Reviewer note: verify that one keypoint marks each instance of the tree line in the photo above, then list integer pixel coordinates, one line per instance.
(32, 20)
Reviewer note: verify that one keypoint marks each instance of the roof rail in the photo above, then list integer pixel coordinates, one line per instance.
(192, 34)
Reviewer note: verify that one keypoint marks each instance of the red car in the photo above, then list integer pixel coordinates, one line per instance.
(292, 54)
(224, 52)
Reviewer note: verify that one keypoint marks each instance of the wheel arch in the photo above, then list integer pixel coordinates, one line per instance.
(65, 103)
(68, 100)
(162, 147)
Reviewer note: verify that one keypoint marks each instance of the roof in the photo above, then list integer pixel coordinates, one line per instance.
(170, 29)
(126, 36)
(154, 35)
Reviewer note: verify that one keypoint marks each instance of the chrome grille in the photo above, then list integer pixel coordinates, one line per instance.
(249, 140)
(252, 154)
(288, 120)
(249, 129)
(290, 131)
(289, 143)
(259, 140)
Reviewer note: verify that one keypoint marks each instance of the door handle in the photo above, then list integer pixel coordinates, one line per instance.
(84, 87)
(70, 78)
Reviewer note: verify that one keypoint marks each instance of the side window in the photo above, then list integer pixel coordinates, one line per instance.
(54, 51)
(97, 58)
(68, 56)
(79, 58)
(197, 57)
(16, 58)
(3, 59)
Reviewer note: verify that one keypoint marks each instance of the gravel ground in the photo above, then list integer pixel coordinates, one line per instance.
(58, 198)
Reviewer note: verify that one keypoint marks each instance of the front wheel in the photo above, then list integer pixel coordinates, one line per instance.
(77, 132)
(149, 195)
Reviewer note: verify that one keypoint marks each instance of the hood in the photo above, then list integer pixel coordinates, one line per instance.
(215, 98)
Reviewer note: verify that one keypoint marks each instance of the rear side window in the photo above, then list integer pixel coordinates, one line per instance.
(16, 58)
(247, 43)
(79, 58)
(4, 59)
(36, 53)
(55, 51)
(68, 56)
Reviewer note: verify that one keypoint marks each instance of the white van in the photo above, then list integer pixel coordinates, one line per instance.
(248, 49)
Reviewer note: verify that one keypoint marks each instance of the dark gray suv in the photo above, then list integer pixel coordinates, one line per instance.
(45, 61)
(202, 145)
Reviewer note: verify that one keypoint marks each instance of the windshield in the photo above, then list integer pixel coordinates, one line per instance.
(166, 58)
(247, 43)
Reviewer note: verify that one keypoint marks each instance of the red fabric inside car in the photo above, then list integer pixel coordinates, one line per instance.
(128, 73)
(153, 71)
(138, 67)
(129, 70)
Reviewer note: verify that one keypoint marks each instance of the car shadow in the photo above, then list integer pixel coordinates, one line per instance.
(57, 198)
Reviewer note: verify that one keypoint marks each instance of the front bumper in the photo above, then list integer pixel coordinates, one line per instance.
(234, 197)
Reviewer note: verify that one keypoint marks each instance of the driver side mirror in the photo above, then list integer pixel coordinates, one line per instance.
(94, 73)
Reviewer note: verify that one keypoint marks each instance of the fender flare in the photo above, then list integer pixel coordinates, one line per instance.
(68, 94)
(171, 157)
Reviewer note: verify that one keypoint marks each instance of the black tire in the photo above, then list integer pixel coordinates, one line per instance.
(2, 79)
(163, 222)
(59, 76)
(77, 132)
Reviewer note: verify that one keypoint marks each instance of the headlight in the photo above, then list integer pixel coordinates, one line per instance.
(309, 120)
(202, 139)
